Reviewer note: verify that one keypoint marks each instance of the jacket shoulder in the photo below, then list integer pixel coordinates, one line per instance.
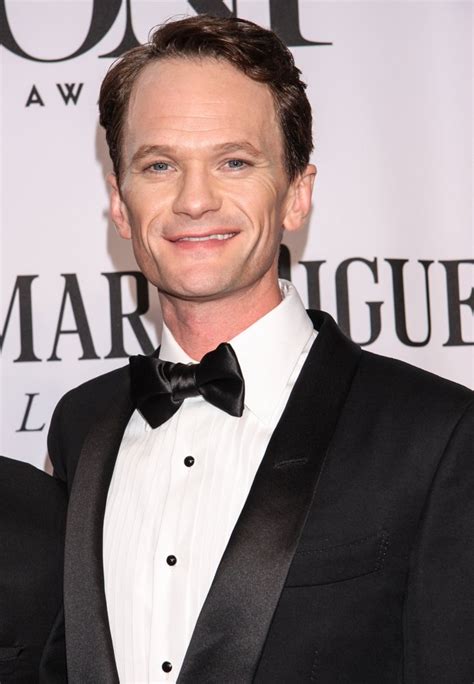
(77, 411)
(95, 394)
(383, 381)
(412, 395)
(402, 377)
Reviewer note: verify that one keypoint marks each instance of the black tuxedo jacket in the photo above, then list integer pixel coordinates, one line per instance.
(32, 522)
(352, 559)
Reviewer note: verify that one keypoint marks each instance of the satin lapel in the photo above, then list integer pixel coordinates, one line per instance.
(90, 656)
(231, 630)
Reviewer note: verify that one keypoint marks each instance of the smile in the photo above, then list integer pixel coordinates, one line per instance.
(205, 238)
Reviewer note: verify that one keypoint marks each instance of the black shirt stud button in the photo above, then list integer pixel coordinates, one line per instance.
(189, 461)
(171, 560)
(166, 666)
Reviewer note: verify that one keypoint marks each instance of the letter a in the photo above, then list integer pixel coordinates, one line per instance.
(34, 97)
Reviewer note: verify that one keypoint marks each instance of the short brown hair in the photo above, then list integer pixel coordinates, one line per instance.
(255, 51)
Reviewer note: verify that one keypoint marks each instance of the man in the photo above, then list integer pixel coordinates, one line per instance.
(32, 521)
(292, 509)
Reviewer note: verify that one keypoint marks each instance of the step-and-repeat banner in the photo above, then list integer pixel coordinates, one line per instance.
(388, 247)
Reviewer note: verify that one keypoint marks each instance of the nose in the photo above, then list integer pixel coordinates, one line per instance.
(197, 193)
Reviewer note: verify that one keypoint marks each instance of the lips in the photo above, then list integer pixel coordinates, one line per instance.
(207, 237)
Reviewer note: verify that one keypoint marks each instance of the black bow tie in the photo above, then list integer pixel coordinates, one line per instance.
(160, 387)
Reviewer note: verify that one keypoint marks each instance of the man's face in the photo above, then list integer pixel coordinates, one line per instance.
(204, 195)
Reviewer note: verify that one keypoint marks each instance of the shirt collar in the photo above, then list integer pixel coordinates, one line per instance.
(268, 351)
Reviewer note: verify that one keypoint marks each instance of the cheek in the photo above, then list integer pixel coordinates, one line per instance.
(147, 258)
(145, 214)
(260, 202)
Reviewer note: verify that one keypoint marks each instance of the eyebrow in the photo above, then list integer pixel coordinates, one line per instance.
(223, 148)
(240, 146)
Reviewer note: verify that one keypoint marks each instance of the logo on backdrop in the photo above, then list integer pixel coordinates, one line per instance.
(23, 304)
(284, 20)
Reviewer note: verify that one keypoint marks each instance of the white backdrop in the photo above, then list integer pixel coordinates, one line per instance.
(393, 104)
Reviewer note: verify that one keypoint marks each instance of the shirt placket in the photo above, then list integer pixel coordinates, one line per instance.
(169, 638)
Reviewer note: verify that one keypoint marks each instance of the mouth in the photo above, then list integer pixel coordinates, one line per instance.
(220, 237)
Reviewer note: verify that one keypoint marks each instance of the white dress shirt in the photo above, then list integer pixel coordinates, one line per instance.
(177, 491)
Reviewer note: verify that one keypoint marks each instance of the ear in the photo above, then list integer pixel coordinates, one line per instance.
(299, 199)
(117, 208)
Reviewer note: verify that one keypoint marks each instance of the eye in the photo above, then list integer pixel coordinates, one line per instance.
(159, 166)
(236, 164)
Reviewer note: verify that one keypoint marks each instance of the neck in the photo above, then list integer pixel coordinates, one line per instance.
(200, 326)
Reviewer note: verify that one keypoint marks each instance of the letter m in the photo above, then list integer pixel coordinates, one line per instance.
(22, 292)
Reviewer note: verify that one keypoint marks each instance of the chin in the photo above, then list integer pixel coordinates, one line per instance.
(196, 284)
(197, 291)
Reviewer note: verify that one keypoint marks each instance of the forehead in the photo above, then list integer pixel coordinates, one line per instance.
(192, 101)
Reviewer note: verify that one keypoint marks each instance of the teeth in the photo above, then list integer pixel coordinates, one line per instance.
(217, 236)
